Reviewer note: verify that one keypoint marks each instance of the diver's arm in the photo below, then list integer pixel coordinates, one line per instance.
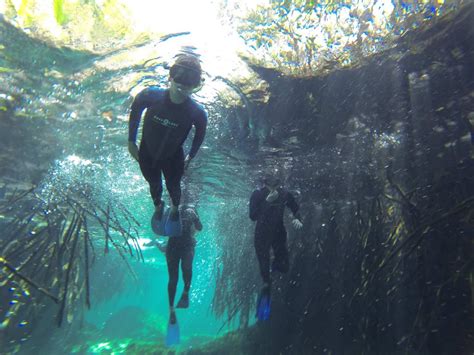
(160, 244)
(255, 205)
(197, 222)
(200, 123)
(138, 106)
(293, 206)
(133, 150)
(150, 243)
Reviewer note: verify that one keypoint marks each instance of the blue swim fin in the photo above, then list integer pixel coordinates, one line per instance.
(264, 302)
(172, 334)
(173, 225)
(157, 223)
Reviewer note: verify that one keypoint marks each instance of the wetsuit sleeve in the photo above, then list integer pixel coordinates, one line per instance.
(200, 123)
(255, 205)
(139, 104)
(293, 205)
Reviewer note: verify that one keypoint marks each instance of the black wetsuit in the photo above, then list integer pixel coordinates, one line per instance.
(181, 248)
(270, 231)
(165, 128)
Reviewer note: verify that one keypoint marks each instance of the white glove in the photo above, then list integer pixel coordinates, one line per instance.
(297, 224)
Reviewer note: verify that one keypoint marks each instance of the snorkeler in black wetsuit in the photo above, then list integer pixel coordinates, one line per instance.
(181, 249)
(170, 115)
(267, 206)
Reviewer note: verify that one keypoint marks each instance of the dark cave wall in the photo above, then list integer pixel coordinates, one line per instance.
(383, 157)
(317, 109)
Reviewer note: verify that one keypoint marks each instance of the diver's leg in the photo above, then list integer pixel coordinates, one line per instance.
(152, 174)
(187, 267)
(172, 259)
(281, 261)
(173, 170)
(187, 270)
(262, 249)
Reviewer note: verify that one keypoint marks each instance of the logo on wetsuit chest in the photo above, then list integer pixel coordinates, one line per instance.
(165, 122)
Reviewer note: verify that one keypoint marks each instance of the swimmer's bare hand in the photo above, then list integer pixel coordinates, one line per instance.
(272, 196)
(297, 224)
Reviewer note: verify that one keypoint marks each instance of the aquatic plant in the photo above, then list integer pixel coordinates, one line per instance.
(51, 235)
(86, 24)
(305, 37)
(237, 278)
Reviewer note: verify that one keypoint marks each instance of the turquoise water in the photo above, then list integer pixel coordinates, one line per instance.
(150, 292)
(368, 151)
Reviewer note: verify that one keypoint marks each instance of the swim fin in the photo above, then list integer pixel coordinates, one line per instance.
(172, 334)
(264, 302)
(158, 222)
(173, 225)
